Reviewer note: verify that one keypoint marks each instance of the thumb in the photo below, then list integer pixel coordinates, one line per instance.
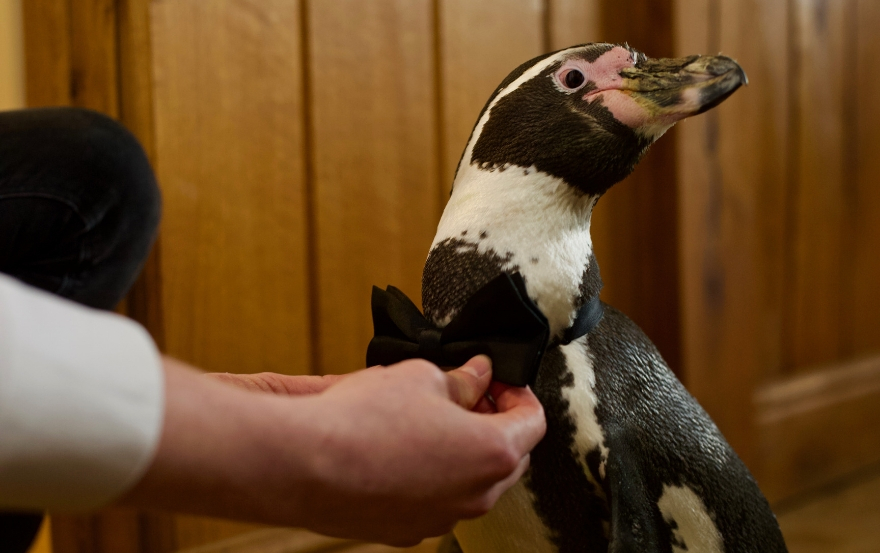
(468, 383)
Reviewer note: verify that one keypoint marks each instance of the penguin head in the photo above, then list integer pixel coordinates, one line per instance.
(588, 113)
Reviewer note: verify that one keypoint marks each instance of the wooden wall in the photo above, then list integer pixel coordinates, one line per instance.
(305, 149)
(11, 56)
(781, 314)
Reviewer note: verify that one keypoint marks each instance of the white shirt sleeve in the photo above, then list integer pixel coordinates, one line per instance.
(81, 401)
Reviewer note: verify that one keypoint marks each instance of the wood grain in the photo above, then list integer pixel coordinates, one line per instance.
(231, 157)
(47, 49)
(372, 95)
(135, 71)
(94, 78)
(819, 239)
(479, 44)
(144, 300)
(730, 187)
(573, 22)
(12, 77)
(862, 302)
(818, 427)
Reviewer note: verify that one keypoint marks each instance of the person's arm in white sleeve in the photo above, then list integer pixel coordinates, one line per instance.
(385, 454)
(81, 401)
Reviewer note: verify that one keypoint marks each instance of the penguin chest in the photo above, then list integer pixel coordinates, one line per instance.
(561, 504)
(568, 466)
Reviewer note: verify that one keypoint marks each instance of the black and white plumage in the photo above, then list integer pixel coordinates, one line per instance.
(630, 462)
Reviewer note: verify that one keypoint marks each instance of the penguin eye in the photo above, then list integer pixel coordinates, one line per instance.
(573, 79)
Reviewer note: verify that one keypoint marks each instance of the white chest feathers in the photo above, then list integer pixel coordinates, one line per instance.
(538, 223)
(513, 524)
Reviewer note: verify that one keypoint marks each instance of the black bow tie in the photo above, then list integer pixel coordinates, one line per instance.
(499, 320)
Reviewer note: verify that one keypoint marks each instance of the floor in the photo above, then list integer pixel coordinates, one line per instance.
(841, 519)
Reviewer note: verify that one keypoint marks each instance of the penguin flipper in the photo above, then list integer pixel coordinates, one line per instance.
(636, 523)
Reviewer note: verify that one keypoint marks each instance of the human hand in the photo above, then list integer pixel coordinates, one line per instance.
(295, 385)
(401, 458)
(385, 454)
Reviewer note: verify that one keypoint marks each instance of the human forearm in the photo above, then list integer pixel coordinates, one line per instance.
(386, 454)
(221, 449)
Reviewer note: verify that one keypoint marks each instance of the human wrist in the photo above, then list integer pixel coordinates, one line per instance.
(226, 452)
(277, 471)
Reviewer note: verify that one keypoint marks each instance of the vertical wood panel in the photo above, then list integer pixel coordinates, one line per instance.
(755, 156)
(12, 87)
(135, 71)
(372, 93)
(732, 171)
(372, 96)
(573, 22)
(47, 52)
(819, 239)
(864, 301)
(144, 301)
(94, 67)
(230, 149)
(480, 43)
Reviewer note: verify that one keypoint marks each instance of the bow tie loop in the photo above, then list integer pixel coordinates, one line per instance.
(499, 320)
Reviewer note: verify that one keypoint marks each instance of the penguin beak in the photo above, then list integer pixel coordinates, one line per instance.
(669, 90)
(687, 86)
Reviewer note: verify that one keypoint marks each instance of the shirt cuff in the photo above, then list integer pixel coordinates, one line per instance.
(81, 402)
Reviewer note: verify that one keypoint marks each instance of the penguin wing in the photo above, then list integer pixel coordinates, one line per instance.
(673, 483)
(636, 524)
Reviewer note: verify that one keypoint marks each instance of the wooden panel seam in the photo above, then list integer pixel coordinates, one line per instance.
(818, 428)
(819, 389)
(315, 358)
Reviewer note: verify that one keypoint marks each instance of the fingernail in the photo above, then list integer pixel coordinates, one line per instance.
(478, 367)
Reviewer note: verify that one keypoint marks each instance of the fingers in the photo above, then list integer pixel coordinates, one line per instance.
(520, 416)
(485, 406)
(280, 384)
(502, 486)
(468, 383)
(489, 496)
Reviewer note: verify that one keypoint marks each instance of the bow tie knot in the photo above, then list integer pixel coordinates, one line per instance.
(429, 340)
(499, 320)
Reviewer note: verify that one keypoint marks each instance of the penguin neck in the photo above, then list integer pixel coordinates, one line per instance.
(512, 219)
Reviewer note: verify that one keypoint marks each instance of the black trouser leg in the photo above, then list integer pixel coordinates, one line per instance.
(79, 208)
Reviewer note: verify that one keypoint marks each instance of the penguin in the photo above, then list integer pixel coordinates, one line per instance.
(630, 461)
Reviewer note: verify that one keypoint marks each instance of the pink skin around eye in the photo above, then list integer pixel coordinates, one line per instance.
(605, 74)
